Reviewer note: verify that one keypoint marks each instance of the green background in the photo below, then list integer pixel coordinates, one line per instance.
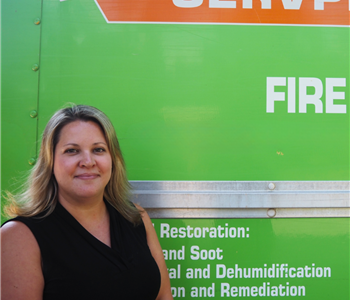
(188, 101)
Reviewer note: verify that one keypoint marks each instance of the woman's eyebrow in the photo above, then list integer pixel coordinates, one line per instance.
(73, 144)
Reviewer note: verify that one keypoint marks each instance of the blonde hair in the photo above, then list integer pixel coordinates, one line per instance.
(40, 191)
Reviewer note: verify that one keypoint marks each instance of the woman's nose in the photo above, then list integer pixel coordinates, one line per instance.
(87, 160)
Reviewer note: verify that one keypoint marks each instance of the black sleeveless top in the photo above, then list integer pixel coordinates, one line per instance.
(76, 265)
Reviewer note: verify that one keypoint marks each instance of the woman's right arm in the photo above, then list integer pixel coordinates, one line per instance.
(21, 273)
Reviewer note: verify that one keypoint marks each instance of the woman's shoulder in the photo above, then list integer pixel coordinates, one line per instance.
(144, 216)
(15, 229)
(24, 221)
(21, 262)
(16, 233)
(25, 230)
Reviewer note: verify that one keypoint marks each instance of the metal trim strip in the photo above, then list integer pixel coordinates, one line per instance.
(243, 199)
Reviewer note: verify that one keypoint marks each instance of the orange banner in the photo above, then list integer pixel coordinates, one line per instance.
(298, 12)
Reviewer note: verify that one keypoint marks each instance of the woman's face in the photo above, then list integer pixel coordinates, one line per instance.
(82, 163)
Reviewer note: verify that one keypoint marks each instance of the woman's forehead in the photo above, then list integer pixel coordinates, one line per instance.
(81, 131)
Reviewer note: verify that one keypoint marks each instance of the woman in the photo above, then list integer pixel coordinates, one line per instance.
(76, 234)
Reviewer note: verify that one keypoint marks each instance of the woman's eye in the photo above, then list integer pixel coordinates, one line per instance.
(99, 150)
(71, 151)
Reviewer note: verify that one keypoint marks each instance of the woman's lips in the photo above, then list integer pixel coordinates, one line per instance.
(86, 176)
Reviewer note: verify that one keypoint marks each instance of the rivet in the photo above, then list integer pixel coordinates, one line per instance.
(32, 161)
(33, 114)
(271, 212)
(35, 67)
(37, 21)
(272, 186)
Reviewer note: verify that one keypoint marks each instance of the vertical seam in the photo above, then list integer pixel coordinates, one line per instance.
(39, 73)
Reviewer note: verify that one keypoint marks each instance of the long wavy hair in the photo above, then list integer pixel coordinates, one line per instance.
(40, 193)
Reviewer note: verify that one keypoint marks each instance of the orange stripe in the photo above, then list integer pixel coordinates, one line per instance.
(334, 13)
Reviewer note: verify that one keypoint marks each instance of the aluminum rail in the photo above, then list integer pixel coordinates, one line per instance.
(243, 199)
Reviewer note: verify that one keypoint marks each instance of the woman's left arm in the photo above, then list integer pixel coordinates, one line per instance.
(157, 253)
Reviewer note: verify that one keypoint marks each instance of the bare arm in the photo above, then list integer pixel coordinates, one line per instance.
(21, 273)
(157, 253)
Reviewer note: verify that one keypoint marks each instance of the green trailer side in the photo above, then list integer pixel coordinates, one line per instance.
(191, 104)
